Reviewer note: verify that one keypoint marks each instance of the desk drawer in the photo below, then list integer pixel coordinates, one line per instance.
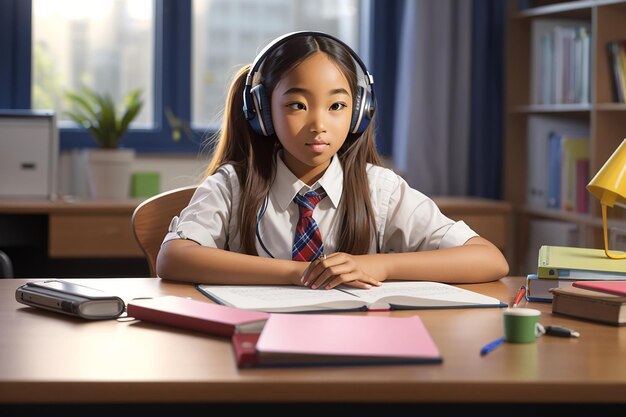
(91, 236)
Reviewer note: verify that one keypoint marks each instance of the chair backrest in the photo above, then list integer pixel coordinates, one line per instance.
(6, 267)
(152, 218)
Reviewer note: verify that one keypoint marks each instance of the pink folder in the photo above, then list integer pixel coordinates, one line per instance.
(297, 339)
(197, 315)
(611, 287)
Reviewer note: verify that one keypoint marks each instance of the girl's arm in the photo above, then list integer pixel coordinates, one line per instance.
(186, 260)
(478, 260)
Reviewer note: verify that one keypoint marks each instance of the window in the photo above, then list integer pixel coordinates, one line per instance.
(102, 44)
(227, 34)
(182, 54)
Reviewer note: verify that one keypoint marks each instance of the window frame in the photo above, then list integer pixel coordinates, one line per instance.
(172, 80)
(172, 88)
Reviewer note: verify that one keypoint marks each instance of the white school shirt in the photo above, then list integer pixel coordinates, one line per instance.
(406, 219)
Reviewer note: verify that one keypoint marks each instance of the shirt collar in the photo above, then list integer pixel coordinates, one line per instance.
(287, 185)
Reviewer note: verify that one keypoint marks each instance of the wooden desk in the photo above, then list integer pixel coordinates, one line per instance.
(50, 358)
(101, 229)
(489, 218)
(83, 229)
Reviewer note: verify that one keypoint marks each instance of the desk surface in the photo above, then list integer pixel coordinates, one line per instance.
(451, 205)
(37, 206)
(50, 358)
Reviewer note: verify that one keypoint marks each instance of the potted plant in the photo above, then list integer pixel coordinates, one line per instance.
(108, 166)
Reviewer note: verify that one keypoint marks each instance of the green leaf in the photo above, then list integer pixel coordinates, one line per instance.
(133, 104)
(97, 113)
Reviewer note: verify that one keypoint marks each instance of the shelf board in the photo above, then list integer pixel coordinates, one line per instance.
(574, 9)
(552, 108)
(567, 108)
(610, 106)
(569, 216)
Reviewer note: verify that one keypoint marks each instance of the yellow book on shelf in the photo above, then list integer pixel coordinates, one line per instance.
(578, 263)
(572, 150)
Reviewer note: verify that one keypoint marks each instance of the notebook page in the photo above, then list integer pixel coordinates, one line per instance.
(274, 298)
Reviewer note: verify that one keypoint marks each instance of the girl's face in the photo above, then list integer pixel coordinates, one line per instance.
(311, 111)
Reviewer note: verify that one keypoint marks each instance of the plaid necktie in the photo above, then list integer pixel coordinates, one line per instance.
(307, 242)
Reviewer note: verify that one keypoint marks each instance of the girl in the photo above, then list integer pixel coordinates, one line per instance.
(295, 192)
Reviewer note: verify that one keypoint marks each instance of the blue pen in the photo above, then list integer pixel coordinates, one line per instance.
(491, 346)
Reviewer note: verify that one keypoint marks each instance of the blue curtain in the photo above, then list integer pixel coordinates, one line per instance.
(487, 87)
(487, 99)
(386, 29)
(15, 50)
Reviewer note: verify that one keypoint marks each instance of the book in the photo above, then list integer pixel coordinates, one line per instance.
(197, 315)
(554, 170)
(617, 71)
(71, 299)
(389, 296)
(555, 43)
(578, 263)
(541, 159)
(539, 289)
(572, 149)
(609, 287)
(327, 339)
(590, 305)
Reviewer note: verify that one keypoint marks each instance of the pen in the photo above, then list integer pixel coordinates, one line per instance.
(561, 331)
(520, 294)
(491, 346)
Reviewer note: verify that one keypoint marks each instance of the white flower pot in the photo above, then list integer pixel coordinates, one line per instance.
(109, 172)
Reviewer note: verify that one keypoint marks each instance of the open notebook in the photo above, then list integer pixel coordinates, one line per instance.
(389, 296)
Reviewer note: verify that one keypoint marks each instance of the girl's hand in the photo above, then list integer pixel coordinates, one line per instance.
(336, 269)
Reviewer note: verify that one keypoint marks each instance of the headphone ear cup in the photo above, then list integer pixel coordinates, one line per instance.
(367, 109)
(262, 123)
(356, 109)
(363, 111)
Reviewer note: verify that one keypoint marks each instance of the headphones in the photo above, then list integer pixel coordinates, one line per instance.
(256, 104)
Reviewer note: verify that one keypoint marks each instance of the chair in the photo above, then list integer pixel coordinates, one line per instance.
(6, 268)
(152, 218)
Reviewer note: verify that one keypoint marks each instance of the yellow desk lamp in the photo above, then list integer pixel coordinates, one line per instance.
(609, 186)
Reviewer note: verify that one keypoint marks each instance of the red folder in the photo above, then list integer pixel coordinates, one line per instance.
(197, 315)
(308, 340)
(244, 345)
(611, 287)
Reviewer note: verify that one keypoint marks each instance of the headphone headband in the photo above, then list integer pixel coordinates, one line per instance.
(284, 38)
(256, 105)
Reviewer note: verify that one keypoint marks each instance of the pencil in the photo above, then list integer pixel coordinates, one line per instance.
(520, 294)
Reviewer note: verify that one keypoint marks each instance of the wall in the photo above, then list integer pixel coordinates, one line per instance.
(175, 171)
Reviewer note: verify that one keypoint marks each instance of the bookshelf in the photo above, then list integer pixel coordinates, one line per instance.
(606, 119)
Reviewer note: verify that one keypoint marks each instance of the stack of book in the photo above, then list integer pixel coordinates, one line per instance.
(561, 266)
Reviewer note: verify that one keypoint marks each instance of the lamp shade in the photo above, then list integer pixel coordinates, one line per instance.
(609, 184)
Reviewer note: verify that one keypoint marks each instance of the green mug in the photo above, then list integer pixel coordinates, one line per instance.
(521, 325)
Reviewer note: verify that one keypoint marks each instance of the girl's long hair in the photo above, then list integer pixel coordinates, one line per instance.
(254, 156)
